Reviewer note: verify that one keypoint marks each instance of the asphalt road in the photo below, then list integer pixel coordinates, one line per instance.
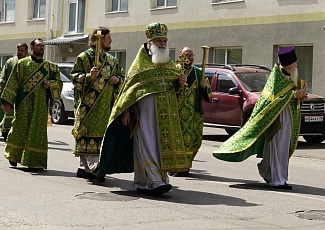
(216, 195)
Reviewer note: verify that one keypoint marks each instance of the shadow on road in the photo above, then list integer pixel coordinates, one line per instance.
(301, 144)
(299, 189)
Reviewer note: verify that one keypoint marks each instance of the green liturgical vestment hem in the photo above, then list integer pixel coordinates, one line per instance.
(263, 122)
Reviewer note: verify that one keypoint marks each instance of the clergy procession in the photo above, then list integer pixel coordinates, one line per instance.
(148, 120)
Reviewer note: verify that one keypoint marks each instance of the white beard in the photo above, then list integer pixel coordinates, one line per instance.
(159, 56)
(294, 76)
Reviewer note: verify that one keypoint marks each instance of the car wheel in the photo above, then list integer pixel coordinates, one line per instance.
(58, 115)
(231, 131)
(315, 139)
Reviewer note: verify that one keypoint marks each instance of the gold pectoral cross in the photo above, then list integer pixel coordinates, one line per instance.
(182, 61)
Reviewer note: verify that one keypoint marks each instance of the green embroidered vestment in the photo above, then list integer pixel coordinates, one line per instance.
(27, 138)
(145, 78)
(4, 75)
(94, 99)
(263, 122)
(191, 111)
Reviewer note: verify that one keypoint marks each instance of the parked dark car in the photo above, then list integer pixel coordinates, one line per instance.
(235, 90)
(61, 110)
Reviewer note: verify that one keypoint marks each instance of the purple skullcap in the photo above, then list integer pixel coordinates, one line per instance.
(287, 55)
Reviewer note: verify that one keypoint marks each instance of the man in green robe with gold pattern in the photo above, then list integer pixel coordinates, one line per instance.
(147, 111)
(22, 51)
(272, 130)
(190, 98)
(95, 86)
(32, 83)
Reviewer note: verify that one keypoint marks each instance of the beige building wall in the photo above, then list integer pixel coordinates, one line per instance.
(258, 27)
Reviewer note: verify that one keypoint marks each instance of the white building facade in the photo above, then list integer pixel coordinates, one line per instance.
(237, 31)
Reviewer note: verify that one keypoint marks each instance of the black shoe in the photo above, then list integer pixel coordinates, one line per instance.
(90, 176)
(80, 173)
(12, 163)
(159, 191)
(101, 177)
(179, 174)
(29, 169)
(266, 180)
(145, 191)
(285, 186)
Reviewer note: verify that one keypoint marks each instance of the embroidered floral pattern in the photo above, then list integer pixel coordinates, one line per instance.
(33, 81)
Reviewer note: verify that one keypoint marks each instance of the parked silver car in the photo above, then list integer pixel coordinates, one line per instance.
(63, 109)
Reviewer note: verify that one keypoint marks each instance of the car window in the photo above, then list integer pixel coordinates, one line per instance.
(209, 75)
(65, 73)
(253, 82)
(224, 83)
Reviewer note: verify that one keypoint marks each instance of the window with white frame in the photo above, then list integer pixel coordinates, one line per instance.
(119, 5)
(305, 64)
(227, 55)
(76, 16)
(7, 10)
(39, 9)
(166, 3)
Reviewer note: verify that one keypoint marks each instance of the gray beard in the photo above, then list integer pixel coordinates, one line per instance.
(294, 76)
(159, 56)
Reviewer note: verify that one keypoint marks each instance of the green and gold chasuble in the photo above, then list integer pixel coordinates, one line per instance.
(264, 121)
(145, 78)
(4, 75)
(191, 111)
(27, 138)
(94, 99)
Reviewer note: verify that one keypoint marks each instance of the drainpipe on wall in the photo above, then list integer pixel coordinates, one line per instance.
(48, 27)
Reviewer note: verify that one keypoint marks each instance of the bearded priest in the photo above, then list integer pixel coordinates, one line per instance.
(273, 128)
(146, 110)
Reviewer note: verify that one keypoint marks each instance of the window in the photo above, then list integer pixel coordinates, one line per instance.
(3, 60)
(7, 10)
(222, 1)
(76, 16)
(305, 65)
(166, 3)
(39, 9)
(119, 5)
(172, 54)
(121, 57)
(224, 83)
(228, 56)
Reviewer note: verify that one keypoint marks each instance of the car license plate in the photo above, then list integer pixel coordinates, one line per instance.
(313, 118)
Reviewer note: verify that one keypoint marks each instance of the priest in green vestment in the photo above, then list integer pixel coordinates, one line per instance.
(32, 83)
(22, 51)
(272, 130)
(95, 88)
(190, 98)
(144, 133)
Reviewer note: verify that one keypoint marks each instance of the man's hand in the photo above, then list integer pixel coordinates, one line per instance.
(203, 83)
(94, 72)
(46, 84)
(125, 119)
(113, 80)
(182, 80)
(301, 94)
(6, 107)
